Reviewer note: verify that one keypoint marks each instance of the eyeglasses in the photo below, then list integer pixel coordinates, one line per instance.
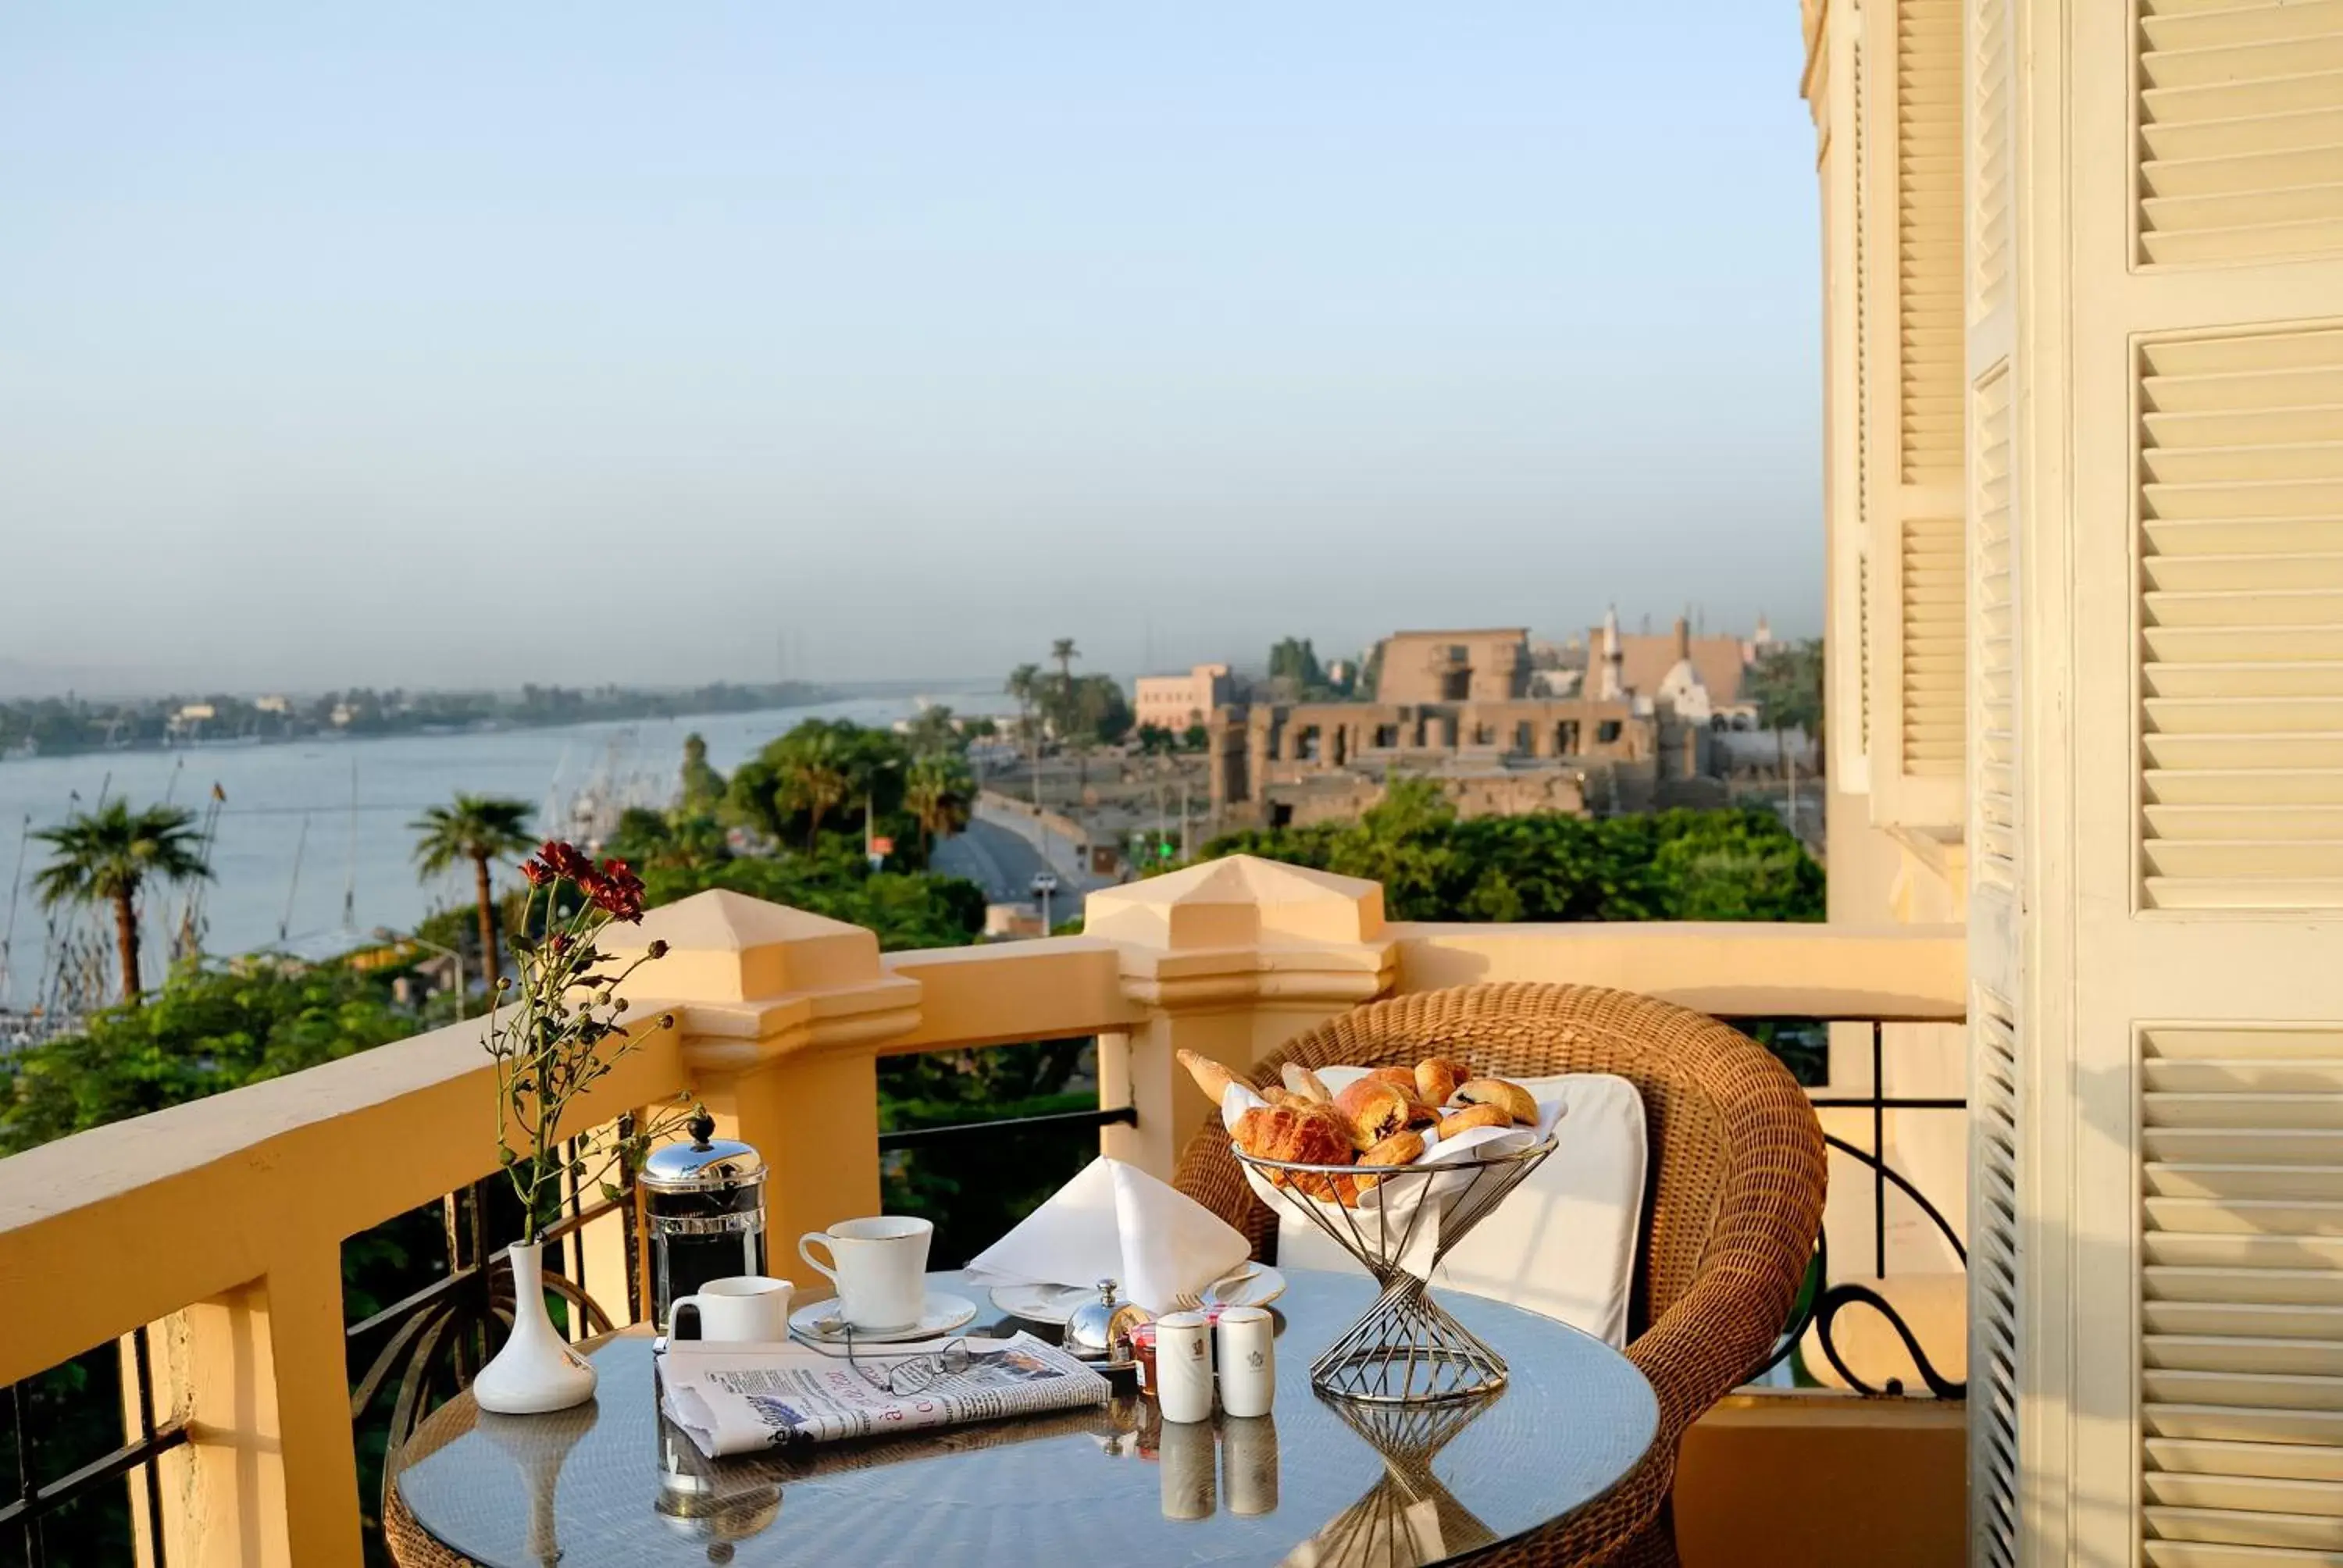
(905, 1374)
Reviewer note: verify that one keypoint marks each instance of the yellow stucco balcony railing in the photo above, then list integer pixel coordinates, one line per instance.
(214, 1231)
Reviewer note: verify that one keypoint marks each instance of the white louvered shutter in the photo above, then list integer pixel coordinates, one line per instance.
(1914, 300)
(2243, 136)
(2180, 760)
(2241, 1296)
(1998, 1058)
(2242, 674)
(1847, 401)
(1996, 1284)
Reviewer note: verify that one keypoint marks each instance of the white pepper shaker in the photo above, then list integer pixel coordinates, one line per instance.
(1184, 1366)
(1248, 1361)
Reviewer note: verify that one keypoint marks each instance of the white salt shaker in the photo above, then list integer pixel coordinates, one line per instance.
(1184, 1366)
(1248, 1358)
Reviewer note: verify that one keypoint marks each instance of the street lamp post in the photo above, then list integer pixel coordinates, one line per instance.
(1045, 883)
(385, 934)
(869, 794)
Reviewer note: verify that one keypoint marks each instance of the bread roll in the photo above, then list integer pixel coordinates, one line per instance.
(1511, 1098)
(1402, 1148)
(1376, 1109)
(1437, 1077)
(1473, 1116)
(1420, 1112)
(1210, 1075)
(1304, 1082)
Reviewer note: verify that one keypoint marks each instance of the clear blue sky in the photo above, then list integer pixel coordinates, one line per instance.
(339, 344)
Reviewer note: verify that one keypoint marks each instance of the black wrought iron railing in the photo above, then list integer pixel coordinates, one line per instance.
(424, 1348)
(60, 1519)
(1821, 1302)
(964, 1133)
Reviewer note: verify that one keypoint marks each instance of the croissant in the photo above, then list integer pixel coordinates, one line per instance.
(1302, 1137)
(1420, 1112)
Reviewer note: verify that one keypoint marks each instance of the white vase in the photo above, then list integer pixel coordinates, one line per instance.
(537, 1371)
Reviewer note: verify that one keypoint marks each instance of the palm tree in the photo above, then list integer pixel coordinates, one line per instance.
(1064, 651)
(1070, 719)
(478, 829)
(938, 790)
(1025, 685)
(816, 776)
(107, 855)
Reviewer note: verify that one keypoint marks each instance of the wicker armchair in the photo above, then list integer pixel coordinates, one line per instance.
(1733, 1202)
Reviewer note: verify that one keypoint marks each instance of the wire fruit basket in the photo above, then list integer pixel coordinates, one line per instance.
(1406, 1348)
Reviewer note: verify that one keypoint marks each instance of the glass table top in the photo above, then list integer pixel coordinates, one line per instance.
(1318, 1482)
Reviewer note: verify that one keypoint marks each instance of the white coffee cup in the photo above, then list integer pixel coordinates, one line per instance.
(739, 1307)
(879, 1266)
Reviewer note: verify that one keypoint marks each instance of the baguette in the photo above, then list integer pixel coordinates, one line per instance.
(1210, 1075)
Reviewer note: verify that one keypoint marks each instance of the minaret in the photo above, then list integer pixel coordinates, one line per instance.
(1615, 658)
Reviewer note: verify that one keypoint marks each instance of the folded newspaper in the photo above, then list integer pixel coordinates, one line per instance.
(746, 1398)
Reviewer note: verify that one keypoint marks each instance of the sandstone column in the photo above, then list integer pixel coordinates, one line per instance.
(1231, 959)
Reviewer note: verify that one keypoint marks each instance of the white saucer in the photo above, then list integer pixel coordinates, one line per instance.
(940, 1315)
(1042, 1303)
(1258, 1289)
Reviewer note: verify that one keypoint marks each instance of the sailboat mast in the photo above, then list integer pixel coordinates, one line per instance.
(350, 884)
(285, 926)
(15, 886)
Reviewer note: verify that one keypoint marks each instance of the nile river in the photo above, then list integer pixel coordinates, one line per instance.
(356, 797)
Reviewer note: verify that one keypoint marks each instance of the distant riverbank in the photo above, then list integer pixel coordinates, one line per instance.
(312, 836)
(68, 727)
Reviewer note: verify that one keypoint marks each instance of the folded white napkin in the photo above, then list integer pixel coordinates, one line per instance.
(1115, 1222)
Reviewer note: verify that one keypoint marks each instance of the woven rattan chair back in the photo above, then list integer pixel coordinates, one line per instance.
(1732, 1200)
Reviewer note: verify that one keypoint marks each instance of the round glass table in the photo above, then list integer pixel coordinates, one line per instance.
(1318, 1482)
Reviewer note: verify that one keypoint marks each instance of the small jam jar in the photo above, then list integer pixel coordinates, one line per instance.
(1143, 1350)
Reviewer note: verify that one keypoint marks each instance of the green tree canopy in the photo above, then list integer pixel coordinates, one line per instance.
(1786, 683)
(817, 776)
(939, 792)
(1675, 865)
(703, 787)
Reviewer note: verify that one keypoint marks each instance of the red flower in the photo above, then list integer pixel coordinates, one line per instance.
(615, 890)
(537, 872)
(566, 859)
(559, 942)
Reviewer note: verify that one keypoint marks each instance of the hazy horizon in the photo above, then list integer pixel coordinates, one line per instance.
(352, 348)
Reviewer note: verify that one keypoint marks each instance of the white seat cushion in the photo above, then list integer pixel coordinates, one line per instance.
(1564, 1243)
